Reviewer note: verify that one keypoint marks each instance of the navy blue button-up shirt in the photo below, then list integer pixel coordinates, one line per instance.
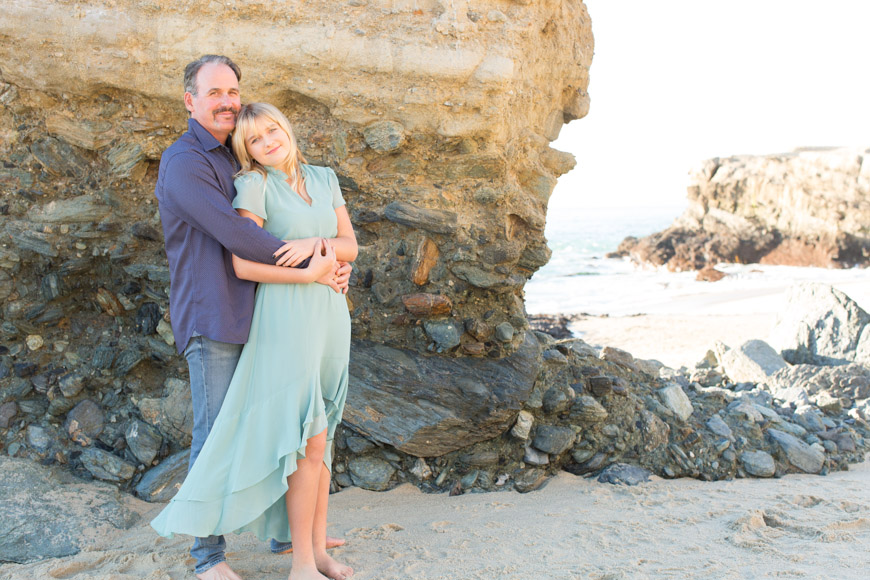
(201, 230)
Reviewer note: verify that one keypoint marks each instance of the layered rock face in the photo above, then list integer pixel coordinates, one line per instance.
(807, 208)
(437, 117)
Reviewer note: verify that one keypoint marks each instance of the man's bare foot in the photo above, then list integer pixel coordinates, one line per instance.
(305, 573)
(330, 543)
(220, 572)
(332, 569)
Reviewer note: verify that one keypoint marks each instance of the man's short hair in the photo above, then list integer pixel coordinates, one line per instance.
(192, 69)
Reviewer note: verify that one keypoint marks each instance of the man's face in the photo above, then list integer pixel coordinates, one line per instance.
(217, 101)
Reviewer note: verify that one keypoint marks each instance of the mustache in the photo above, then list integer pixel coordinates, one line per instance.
(233, 110)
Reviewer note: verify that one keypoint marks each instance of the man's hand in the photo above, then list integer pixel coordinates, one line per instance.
(294, 251)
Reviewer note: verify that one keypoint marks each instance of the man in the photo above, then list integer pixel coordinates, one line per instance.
(211, 308)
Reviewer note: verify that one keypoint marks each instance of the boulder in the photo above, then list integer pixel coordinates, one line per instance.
(674, 398)
(802, 456)
(161, 483)
(753, 361)
(32, 496)
(818, 325)
(429, 406)
(758, 463)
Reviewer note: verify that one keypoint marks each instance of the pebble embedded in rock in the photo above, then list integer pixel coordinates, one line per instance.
(162, 482)
(588, 410)
(87, 418)
(371, 473)
(798, 453)
(422, 304)
(445, 334)
(530, 480)
(809, 418)
(719, 427)
(600, 385)
(523, 426)
(504, 332)
(533, 456)
(384, 136)
(164, 330)
(34, 342)
(553, 439)
(675, 399)
(38, 437)
(358, 445)
(143, 440)
(622, 473)
(147, 318)
(421, 469)
(556, 399)
(71, 384)
(106, 466)
(8, 411)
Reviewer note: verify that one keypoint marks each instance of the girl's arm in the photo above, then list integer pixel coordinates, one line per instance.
(344, 244)
(322, 262)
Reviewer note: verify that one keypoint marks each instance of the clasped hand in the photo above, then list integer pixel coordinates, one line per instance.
(323, 265)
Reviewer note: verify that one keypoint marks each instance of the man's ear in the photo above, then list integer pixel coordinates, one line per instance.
(188, 102)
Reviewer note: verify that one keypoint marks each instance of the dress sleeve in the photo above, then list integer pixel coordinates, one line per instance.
(337, 199)
(251, 193)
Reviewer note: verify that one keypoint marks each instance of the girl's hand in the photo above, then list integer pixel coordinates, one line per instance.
(337, 279)
(322, 259)
(342, 275)
(294, 251)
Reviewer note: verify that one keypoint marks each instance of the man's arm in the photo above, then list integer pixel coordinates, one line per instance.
(192, 191)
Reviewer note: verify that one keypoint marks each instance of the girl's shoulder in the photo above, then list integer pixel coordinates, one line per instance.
(319, 171)
(249, 179)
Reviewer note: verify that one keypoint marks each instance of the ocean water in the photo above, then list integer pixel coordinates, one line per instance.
(580, 279)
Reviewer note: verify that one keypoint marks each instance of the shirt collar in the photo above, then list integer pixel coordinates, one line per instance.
(205, 138)
(276, 172)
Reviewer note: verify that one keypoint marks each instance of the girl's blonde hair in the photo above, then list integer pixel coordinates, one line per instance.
(247, 123)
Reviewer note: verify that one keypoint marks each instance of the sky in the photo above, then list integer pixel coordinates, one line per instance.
(675, 82)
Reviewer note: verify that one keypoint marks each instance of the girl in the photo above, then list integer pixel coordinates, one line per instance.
(265, 466)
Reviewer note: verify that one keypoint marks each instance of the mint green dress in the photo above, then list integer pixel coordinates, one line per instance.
(290, 383)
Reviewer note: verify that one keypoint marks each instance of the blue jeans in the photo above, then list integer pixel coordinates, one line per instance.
(211, 364)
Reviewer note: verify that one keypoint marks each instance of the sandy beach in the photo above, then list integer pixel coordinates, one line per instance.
(673, 339)
(800, 526)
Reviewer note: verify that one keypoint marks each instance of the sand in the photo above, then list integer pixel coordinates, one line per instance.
(675, 340)
(800, 526)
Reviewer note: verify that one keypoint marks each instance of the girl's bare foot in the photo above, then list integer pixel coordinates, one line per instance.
(305, 573)
(333, 569)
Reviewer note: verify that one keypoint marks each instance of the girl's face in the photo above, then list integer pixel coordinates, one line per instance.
(268, 143)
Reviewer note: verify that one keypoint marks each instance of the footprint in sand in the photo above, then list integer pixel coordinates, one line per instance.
(440, 527)
(377, 533)
(806, 501)
(851, 507)
(119, 563)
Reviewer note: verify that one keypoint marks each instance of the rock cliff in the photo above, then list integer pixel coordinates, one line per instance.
(806, 208)
(436, 115)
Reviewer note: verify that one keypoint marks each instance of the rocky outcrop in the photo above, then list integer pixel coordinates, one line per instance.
(806, 208)
(437, 117)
